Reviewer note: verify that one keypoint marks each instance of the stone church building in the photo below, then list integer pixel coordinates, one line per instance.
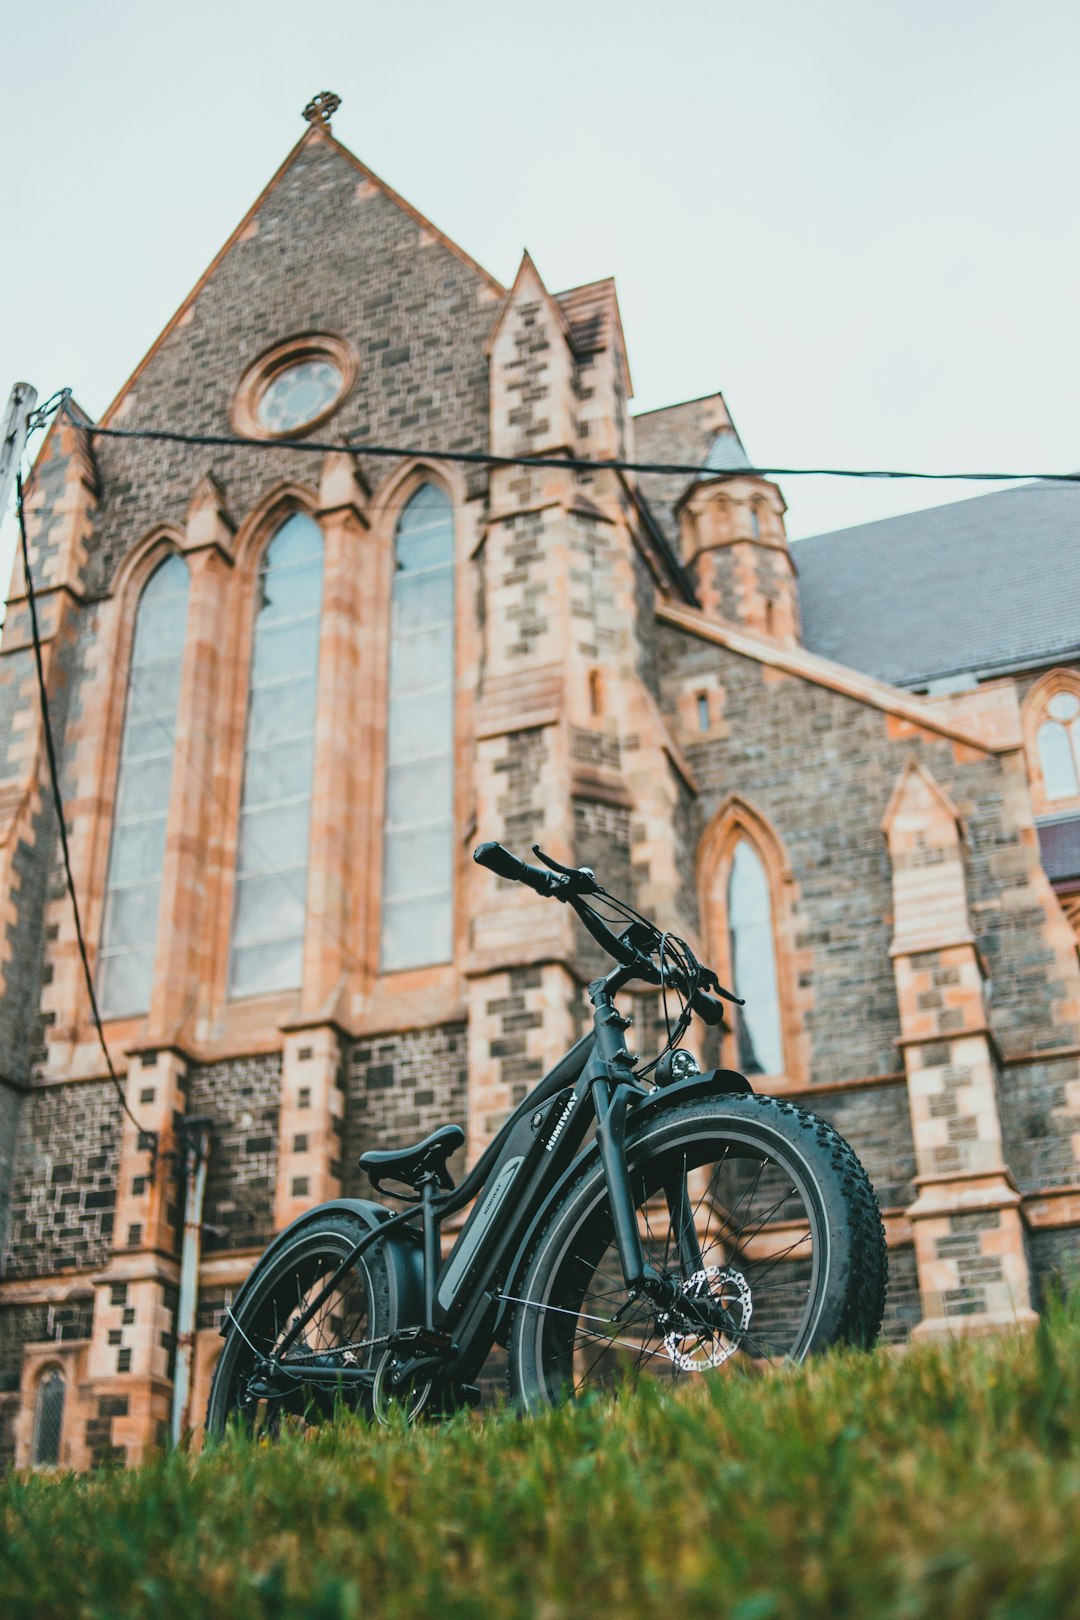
(292, 691)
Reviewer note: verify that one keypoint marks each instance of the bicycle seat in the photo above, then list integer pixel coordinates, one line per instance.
(411, 1164)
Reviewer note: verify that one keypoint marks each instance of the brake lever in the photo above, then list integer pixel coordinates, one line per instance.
(573, 874)
(711, 982)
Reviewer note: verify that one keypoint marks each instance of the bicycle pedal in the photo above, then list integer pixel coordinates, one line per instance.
(431, 1341)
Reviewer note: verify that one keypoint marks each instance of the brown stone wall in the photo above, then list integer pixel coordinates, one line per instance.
(398, 1088)
(241, 1095)
(64, 1186)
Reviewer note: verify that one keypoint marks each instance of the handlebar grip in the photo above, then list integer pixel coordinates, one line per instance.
(708, 1008)
(505, 865)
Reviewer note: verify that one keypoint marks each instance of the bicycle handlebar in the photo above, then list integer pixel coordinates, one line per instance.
(571, 884)
(505, 865)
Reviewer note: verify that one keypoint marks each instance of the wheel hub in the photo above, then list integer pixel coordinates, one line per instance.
(708, 1328)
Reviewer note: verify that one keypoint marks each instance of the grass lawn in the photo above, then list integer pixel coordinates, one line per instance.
(944, 1482)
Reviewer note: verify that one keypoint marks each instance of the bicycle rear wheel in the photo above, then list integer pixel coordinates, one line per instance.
(345, 1332)
(759, 1214)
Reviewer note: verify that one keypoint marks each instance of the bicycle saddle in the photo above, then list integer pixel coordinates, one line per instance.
(411, 1164)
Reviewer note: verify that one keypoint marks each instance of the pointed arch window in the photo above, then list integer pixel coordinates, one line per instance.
(279, 756)
(143, 789)
(48, 1419)
(418, 847)
(753, 961)
(1059, 746)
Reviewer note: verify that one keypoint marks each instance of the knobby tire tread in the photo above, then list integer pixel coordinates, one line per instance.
(862, 1306)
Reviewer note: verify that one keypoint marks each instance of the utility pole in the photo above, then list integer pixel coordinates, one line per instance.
(21, 402)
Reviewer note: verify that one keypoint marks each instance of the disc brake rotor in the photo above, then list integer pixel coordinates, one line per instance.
(697, 1349)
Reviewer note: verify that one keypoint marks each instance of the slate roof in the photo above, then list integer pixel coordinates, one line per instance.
(590, 313)
(978, 586)
(1059, 846)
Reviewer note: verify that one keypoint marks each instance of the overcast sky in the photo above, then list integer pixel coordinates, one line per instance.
(857, 220)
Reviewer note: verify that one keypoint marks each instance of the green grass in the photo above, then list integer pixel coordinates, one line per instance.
(943, 1483)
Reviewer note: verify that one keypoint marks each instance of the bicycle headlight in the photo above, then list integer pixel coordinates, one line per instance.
(676, 1065)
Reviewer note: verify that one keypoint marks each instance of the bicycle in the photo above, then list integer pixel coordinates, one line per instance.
(627, 1221)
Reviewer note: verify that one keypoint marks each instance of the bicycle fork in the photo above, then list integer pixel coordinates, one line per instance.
(611, 1096)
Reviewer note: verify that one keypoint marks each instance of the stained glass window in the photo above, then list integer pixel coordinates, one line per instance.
(753, 957)
(298, 394)
(418, 850)
(1059, 746)
(49, 1419)
(143, 787)
(279, 756)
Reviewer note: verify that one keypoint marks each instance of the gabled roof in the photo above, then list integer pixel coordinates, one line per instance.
(312, 133)
(592, 314)
(980, 586)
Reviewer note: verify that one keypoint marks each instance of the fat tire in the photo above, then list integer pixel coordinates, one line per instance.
(855, 1285)
(338, 1231)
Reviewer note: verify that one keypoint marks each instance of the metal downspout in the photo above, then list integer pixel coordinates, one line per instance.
(195, 1152)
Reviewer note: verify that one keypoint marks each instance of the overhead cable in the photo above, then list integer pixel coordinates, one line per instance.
(566, 463)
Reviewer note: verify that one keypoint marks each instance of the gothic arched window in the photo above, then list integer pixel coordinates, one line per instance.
(418, 847)
(753, 961)
(48, 1419)
(143, 787)
(279, 756)
(1059, 746)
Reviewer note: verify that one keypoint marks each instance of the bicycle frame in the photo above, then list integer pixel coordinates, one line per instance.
(465, 1300)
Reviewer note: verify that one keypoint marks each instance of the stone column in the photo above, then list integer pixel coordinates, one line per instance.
(310, 1123)
(967, 1220)
(332, 927)
(130, 1362)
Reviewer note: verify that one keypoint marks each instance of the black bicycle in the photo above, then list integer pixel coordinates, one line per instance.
(627, 1220)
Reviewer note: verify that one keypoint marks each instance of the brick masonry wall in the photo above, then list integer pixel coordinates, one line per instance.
(1037, 1125)
(602, 841)
(10, 1108)
(398, 1088)
(877, 1123)
(1055, 1262)
(64, 1185)
(902, 1306)
(822, 768)
(520, 803)
(242, 1096)
(19, 1325)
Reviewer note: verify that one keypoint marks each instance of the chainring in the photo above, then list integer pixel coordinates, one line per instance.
(409, 1400)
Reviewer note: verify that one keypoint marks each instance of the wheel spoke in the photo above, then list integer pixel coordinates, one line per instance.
(746, 1188)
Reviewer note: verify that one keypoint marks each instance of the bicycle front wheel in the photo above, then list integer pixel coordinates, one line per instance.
(758, 1214)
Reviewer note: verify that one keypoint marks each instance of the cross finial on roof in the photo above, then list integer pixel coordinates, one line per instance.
(321, 108)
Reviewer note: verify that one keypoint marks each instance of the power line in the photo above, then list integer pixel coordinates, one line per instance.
(58, 805)
(566, 463)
